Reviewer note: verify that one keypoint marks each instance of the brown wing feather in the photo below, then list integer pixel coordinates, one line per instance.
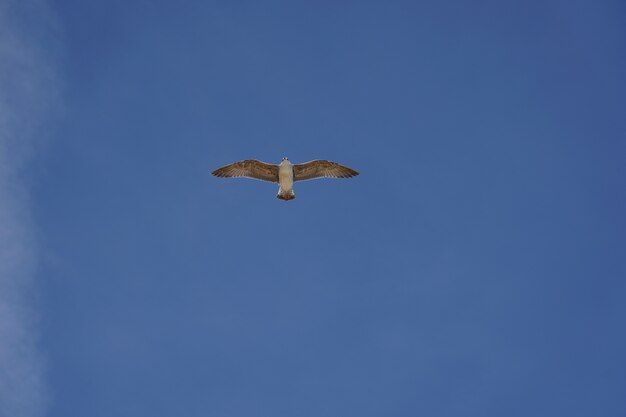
(321, 169)
(249, 168)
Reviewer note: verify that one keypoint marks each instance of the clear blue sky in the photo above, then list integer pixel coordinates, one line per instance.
(476, 267)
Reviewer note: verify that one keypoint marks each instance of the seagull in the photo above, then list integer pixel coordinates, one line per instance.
(286, 173)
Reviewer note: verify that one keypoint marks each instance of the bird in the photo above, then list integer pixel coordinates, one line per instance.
(285, 173)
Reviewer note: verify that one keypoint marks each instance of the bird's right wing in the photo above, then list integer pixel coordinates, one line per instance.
(250, 168)
(321, 169)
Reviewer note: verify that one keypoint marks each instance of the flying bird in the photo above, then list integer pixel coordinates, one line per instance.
(286, 173)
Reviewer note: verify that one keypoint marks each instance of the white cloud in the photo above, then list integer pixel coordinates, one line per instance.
(26, 96)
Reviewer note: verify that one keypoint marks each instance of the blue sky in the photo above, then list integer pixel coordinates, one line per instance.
(476, 267)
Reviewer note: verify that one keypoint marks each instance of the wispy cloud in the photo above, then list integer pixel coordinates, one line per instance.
(26, 95)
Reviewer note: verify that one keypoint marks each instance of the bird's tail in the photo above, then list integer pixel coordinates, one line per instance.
(286, 195)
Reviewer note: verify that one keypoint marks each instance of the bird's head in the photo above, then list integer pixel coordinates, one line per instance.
(285, 159)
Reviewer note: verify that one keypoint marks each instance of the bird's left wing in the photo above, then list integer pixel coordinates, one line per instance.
(250, 168)
(321, 169)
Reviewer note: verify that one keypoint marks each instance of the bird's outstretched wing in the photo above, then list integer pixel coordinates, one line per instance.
(250, 168)
(321, 169)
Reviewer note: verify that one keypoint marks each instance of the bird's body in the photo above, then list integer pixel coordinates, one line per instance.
(286, 173)
(285, 180)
